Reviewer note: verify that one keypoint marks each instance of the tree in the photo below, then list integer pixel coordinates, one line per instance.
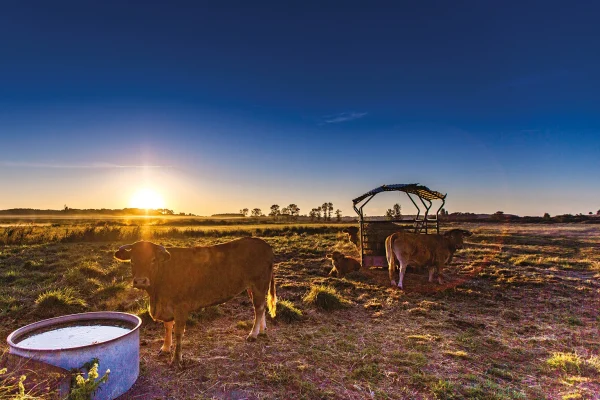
(590, 213)
(257, 212)
(313, 214)
(598, 212)
(324, 207)
(274, 211)
(397, 211)
(546, 216)
(244, 212)
(389, 214)
(329, 210)
(285, 212)
(294, 211)
(318, 213)
(338, 215)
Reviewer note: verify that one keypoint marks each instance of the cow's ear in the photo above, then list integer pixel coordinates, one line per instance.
(124, 252)
(345, 230)
(163, 254)
(449, 233)
(328, 256)
(123, 255)
(467, 233)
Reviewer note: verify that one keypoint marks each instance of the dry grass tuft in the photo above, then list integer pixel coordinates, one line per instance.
(326, 298)
(287, 311)
(60, 299)
(457, 354)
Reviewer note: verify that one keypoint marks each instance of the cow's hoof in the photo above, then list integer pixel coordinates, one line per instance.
(393, 283)
(174, 363)
(251, 338)
(162, 353)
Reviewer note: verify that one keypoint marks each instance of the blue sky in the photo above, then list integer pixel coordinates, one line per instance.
(221, 107)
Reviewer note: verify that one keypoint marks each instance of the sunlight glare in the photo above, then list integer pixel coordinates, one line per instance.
(146, 198)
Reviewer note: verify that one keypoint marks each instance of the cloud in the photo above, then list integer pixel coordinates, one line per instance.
(98, 165)
(343, 117)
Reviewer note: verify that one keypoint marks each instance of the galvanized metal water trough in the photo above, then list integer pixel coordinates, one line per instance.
(120, 354)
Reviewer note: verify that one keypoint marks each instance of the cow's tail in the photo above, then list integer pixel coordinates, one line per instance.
(391, 258)
(272, 297)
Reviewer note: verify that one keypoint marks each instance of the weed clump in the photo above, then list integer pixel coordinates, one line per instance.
(84, 388)
(287, 311)
(325, 298)
(59, 299)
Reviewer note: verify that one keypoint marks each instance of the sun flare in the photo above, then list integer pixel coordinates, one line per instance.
(147, 199)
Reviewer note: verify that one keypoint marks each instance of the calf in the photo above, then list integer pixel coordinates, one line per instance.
(180, 280)
(352, 233)
(418, 250)
(342, 264)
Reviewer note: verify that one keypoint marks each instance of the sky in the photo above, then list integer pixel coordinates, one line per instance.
(219, 106)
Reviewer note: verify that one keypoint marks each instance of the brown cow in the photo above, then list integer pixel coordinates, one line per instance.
(418, 250)
(342, 264)
(180, 280)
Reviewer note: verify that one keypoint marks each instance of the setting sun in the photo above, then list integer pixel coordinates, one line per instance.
(147, 199)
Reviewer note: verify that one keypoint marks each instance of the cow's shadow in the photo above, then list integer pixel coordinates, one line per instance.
(416, 280)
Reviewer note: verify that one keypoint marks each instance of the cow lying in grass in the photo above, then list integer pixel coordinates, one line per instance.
(418, 250)
(180, 280)
(342, 264)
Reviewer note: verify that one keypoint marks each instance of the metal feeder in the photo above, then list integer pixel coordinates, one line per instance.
(374, 232)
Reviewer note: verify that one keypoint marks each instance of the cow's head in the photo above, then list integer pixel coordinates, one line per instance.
(456, 237)
(145, 258)
(335, 256)
(352, 233)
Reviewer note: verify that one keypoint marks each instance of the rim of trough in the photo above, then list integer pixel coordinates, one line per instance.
(92, 315)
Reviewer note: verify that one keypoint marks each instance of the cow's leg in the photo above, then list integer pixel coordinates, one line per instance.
(166, 347)
(431, 271)
(440, 275)
(401, 273)
(332, 271)
(259, 300)
(263, 324)
(391, 259)
(180, 320)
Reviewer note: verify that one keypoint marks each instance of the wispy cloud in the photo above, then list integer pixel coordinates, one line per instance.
(343, 117)
(98, 165)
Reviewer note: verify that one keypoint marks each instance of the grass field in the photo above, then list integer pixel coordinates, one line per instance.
(519, 317)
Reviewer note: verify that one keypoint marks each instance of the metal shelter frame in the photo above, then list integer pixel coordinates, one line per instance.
(421, 222)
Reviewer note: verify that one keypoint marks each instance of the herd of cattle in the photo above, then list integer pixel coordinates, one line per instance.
(180, 280)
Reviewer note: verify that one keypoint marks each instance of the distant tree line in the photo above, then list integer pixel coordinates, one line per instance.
(292, 212)
(500, 216)
(91, 211)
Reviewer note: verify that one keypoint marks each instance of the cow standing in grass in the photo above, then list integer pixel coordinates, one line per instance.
(180, 280)
(417, 250)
